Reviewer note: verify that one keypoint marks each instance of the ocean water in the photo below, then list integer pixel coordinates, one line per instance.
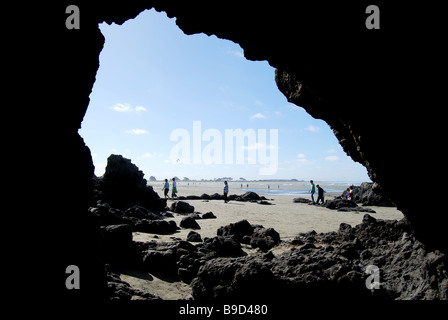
(291, 188)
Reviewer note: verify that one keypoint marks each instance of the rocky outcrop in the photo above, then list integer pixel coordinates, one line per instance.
(368, 195)
(123, 186)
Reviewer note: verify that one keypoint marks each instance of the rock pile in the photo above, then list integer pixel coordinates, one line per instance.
(331, 266)
(246, 197)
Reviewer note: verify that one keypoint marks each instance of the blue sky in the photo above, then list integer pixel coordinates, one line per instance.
(154, 80)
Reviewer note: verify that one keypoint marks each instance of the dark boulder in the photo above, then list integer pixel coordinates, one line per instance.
(140, 212)
(194, 237)
(119, 235)
(182, 207)
(119, 249)
(156, 226)
(109, 216)
(160, 262)
(250, 196)
(223, 246)
(301, 200)
(208, 215)
(264, 239)
(239, 230)
(216, 196)
(189, 223)
(357, 209)
(339, 203)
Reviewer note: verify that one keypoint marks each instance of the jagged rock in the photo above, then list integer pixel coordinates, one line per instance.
(123, 186)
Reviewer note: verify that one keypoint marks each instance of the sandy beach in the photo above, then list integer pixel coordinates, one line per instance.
(285, 216)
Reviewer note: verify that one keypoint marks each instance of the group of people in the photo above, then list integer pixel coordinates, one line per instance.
(320, 197)
(166, 189)
(320, 192)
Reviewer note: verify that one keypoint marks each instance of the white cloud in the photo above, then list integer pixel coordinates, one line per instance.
(258, 116)
(126, 107)
(237, 53)
(140, 108)
(120, 107)
(312, 128)
(332, 158)
(301, 158)
(136, 131)
(146, 155)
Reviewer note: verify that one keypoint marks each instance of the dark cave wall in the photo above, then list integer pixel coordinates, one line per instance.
(362, 83)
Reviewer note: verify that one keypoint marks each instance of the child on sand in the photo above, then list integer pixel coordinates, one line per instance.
(174, 192)
(166, 188)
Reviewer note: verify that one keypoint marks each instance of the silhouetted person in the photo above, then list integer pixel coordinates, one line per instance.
(226, 191)
(320, 193)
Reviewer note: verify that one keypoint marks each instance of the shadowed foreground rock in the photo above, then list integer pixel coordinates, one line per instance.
(331, 266)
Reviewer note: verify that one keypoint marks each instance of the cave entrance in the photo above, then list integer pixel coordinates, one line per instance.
(193, 107)
(159, 93)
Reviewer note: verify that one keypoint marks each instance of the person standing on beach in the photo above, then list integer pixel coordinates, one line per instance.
(313, 190)
(320, 193)
(166, 188)
(351, 194)
(174, 192)
(226, 191)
